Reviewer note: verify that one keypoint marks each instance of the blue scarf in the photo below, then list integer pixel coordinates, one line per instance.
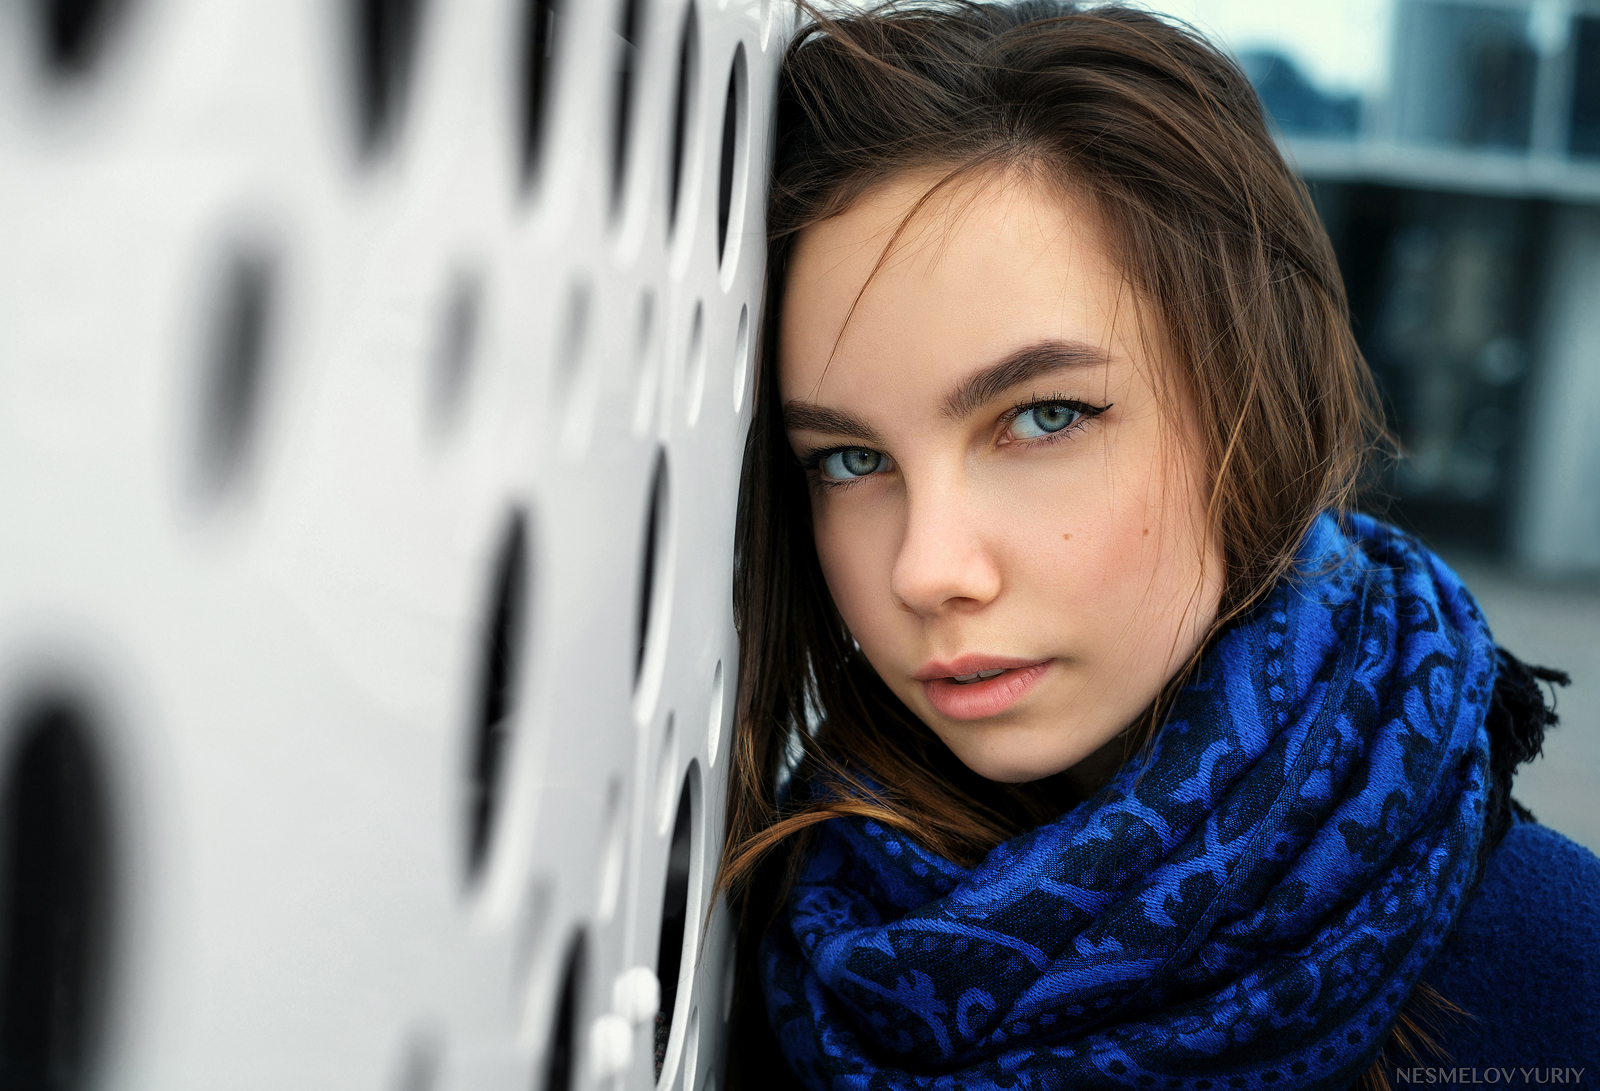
(1246, 907)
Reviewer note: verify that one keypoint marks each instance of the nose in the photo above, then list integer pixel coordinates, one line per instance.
(946, 563)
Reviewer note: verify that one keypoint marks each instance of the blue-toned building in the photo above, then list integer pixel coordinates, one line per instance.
(1465, 208)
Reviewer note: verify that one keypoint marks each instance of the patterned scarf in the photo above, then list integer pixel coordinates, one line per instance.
(1248, 906)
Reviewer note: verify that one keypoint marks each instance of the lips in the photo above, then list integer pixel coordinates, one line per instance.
(975, 687)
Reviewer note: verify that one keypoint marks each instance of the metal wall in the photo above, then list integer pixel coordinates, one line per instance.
(373, 381)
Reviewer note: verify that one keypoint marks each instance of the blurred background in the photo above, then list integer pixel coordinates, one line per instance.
(372, 380)
(1453, 150)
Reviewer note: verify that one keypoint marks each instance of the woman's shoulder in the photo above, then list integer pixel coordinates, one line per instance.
(1523, 960)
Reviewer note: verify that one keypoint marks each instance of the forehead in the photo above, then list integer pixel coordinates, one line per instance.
(981, 267)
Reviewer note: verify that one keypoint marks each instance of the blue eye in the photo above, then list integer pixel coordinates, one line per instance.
(851, 462)
(1044, 420)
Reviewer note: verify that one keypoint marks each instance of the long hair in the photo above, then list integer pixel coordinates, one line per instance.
(1165, 136)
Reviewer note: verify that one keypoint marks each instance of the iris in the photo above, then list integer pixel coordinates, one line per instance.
(851, 462)
(1042, 420)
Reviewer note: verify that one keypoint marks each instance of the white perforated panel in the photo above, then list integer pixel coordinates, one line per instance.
(373, 382)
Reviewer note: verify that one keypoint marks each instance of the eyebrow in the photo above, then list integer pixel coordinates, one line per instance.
(1023, 365)
(1032, 362)
(801, 416)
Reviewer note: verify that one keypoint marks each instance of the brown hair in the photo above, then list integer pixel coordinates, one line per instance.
(1166, 137)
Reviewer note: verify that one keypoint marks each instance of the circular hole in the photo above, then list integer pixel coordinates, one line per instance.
(235, 368)
(666, 772)
(654, 548)
(741, 357)
(456, 346)
(670, 962)
(630, 33)
(561, 1057)
(682, 111)
(714, 726)
(730, 162)
(538, 42)
(694, 384)
(56, 872)
(500, 654)
(383, 39)
(71, 33)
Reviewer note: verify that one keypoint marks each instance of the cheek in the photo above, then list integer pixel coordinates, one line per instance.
(856, 556)
(1117, 543)
(1094, 563)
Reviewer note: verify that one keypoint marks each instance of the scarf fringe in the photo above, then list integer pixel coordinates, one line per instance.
(1519, 714)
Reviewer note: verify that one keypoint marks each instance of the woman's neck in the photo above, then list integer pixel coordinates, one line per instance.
(1092, 773)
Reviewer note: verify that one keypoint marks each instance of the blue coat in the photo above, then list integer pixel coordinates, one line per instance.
(1524, 960)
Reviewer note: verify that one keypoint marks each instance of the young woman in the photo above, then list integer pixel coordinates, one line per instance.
(1084, 739)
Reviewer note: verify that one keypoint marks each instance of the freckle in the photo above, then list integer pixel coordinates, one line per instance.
(1066, 537)
(1147, 532)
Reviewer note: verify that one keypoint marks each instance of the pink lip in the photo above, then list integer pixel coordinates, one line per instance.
(978, 700)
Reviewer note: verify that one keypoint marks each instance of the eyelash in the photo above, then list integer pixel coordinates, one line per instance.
(811, 460)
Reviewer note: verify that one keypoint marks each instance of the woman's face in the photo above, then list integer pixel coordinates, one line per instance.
(1009, 519)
